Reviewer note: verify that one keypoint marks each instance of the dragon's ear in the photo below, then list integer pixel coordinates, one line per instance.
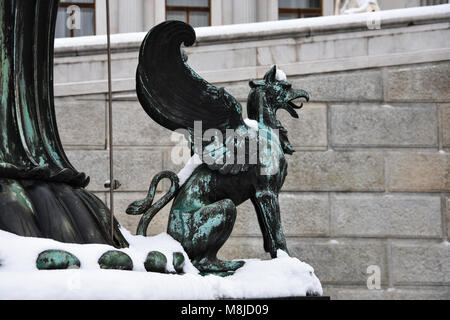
(270, 76)
(254, 84)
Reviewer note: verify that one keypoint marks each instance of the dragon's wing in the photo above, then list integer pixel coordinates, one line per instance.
(175, 96)
(172, 93)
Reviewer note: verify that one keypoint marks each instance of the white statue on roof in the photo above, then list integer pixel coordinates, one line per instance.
(355, 6)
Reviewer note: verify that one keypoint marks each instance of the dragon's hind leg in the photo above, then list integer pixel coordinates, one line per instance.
(210, 228)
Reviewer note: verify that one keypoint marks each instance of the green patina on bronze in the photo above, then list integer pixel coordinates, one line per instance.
(178, 262)
(117, 260)
(204, 207)
(155, 262)
(30, 147)
(57, 259)
(41, 193)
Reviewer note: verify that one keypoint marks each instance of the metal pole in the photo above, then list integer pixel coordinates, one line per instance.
(111, 163)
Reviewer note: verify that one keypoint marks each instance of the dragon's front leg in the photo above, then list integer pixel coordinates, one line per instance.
(268, 212)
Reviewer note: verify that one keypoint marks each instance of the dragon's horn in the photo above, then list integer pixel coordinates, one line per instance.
(270, 76)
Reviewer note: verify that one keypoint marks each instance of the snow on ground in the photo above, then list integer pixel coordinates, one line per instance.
(19, 278)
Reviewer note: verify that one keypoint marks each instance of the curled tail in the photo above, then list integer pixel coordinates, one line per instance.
(145, 206)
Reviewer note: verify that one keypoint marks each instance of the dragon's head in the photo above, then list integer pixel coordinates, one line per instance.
(271, 94)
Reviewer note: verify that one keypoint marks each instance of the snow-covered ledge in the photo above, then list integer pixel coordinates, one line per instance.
(232, 53)
(263, 30)
(20, 279)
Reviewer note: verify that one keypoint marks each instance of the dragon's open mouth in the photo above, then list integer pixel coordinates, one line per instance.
(295, 103)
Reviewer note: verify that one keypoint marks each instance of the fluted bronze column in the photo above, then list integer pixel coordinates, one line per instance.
(41, 193)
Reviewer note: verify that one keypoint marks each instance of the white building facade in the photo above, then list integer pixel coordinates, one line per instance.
(140, 15)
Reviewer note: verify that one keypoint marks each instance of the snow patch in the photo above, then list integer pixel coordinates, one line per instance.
(252, 124)
(189, 168)
(20, 279)
(282, 254)
(20, 253)
(281, 75)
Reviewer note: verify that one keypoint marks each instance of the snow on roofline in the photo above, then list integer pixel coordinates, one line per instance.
(260, 30)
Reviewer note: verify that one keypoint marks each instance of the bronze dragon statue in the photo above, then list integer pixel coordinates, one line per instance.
(204, 207)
